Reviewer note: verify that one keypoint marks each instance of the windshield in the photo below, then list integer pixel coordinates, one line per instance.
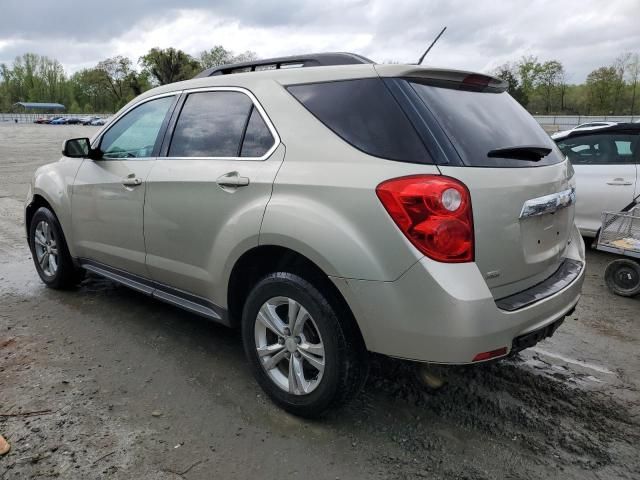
(479, 122)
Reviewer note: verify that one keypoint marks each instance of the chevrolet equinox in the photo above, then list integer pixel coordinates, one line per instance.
(328, 207)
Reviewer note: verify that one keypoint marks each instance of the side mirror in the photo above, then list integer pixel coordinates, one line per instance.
(76, 148)
(79, 148)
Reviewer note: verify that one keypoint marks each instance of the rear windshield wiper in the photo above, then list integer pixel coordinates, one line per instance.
(532, 153)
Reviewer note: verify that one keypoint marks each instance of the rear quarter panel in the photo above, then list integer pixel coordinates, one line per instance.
(324, 203)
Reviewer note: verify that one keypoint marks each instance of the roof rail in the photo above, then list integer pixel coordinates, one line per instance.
(308, 60)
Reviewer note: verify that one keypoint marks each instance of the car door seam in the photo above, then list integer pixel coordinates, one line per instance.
(273, 183)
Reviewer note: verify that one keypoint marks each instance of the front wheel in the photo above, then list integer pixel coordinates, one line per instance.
(50, 253)
(623, 277)
(301, 352)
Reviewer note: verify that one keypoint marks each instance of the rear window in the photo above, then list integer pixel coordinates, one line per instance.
(478, 122)
(365, 114)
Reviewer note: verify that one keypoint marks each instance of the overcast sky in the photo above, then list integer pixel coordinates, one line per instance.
(481, 34)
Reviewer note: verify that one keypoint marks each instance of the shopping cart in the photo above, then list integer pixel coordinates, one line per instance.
(620, 235)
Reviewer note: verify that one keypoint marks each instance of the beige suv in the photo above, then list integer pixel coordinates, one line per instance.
(329, 207)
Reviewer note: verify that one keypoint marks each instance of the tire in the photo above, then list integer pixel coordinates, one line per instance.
(623, 277)
(320, 323)
(50, 253)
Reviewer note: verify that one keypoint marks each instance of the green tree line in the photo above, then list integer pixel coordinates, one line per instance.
(543, 87)
(107, 86)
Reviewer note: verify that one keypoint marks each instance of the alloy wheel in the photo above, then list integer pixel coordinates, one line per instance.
(289, 345)
(46, 248)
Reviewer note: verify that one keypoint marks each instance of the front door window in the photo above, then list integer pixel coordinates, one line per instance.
(135, 134)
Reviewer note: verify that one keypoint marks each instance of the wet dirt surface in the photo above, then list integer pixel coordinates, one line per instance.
(103, 382)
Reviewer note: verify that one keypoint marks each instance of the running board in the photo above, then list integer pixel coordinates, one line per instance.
(184, 300)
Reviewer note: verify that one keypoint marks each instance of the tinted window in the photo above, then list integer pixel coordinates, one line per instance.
(211, 124)
(478, 122)
(258, 138)
(135, 134)
(600, 148)
(366, 115)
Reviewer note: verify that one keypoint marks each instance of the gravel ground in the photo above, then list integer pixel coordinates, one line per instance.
(105, 383)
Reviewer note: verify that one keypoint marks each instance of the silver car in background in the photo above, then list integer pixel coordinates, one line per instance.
(328, 211)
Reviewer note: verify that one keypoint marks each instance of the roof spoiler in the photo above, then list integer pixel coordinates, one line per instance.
(442, 77)
(459, 80)
(307, 60)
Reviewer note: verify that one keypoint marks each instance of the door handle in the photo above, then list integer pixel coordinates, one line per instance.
(232, 180)
(619, 181)
(131, 181)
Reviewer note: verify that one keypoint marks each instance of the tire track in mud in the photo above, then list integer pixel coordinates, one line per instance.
(543, 410)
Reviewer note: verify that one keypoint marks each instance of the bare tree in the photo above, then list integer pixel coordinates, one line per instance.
(633, 73)
(620, 64)
(115, 75)
(563, 86)
(219, 55)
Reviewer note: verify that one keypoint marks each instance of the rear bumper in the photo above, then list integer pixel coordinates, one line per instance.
(445, 313)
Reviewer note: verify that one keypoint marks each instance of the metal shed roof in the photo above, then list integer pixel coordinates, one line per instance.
(41, 106)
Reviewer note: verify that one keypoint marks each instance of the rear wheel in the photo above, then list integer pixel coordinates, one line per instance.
(301, 353)
(50, 253)
(623, 277)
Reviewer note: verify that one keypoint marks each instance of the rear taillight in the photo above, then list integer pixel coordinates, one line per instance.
(434, 212)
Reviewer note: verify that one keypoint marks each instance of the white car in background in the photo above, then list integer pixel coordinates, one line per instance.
(606, 169)
(99, 121)
(581, 127)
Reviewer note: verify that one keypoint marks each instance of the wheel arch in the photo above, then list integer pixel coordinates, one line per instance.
(36, 202)
(261, 260)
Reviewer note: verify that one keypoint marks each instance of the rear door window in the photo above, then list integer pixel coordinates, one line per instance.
(257, 138)
(220, 124)
(478, 122)
(211, 124)
(364, 113)
(600, 148)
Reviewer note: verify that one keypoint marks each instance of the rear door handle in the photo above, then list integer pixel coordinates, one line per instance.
(131, 181)
(232, 180)
(619, 181)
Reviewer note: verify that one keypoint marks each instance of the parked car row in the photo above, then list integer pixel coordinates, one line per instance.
(92, 120)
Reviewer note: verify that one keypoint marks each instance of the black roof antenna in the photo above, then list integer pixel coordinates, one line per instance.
(431, 46)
